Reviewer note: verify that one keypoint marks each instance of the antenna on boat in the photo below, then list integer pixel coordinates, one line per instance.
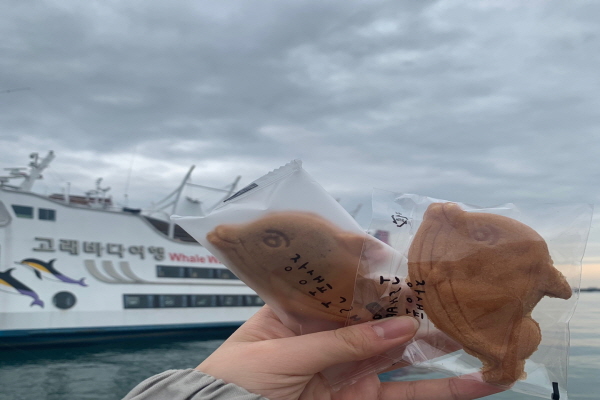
(35, 172)
(36, 168)
(129, 178)
(98, 195)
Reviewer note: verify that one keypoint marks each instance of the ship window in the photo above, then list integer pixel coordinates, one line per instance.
(226, 300)
(164, 271)
(224, 274)
(253, 301)
(172, 300)
(138, 301)
(203, 273)
(134, 301)
(23, 211)
(202, 300)
(64, 300)
(47, 214)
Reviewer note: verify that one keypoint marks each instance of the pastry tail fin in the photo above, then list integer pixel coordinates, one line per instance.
(506, 363)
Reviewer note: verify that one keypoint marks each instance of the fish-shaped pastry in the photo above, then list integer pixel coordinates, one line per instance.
(483, 274)
(7, 280)
(298, 262)
(39, 267)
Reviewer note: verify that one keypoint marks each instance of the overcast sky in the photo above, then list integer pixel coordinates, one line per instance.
(479, 102)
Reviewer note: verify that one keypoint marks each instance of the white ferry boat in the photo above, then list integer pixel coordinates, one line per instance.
(76, 268)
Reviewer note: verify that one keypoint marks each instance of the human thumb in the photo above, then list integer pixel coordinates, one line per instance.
(314, 352)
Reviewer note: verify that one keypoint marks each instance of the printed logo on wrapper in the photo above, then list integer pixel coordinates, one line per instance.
(400, 220)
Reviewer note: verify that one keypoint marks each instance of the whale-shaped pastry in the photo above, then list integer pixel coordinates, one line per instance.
(483, 274)
(299, 263)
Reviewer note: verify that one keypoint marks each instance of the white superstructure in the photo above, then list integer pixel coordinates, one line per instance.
(75, 265)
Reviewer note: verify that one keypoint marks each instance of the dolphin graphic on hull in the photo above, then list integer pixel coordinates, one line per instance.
(6, 279)
(39, 267)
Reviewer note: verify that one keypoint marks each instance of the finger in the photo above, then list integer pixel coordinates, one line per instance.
(466, 387)
(314, 352)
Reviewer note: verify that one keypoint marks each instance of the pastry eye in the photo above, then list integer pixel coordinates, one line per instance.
(275, 239)
(481, 235)
(485, 233)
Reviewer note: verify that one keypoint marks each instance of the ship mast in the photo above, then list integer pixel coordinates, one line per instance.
(35, 172)
(172, 200)
(176, 201)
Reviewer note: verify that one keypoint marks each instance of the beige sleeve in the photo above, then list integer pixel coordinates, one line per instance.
(188, 384)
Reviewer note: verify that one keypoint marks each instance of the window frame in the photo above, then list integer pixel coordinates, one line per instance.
(18, 210)
(50, 212)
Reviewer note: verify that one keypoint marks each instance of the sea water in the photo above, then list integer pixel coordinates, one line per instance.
(108, 371)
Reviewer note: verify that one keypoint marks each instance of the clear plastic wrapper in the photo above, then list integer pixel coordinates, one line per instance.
(292, 243)
(494, 288)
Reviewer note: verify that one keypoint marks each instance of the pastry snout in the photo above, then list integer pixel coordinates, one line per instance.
(449, 213)
(223, 236)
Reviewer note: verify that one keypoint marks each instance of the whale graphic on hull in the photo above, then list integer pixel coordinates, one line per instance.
(39, 267)
(18, 287)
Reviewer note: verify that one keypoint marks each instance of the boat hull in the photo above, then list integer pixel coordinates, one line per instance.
(71, 273)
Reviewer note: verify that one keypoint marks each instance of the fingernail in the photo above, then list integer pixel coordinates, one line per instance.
(396, 327)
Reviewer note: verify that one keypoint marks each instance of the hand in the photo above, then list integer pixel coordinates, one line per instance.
(266, 358)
